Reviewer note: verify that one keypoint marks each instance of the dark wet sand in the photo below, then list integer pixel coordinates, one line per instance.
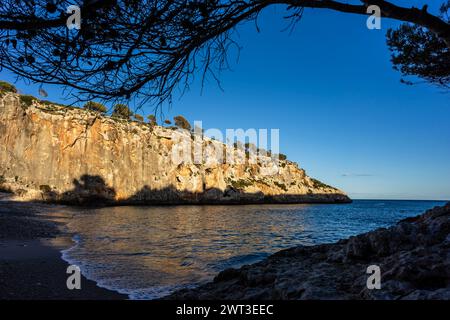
(31, 266)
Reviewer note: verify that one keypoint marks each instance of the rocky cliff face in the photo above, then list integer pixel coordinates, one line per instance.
(55, 153)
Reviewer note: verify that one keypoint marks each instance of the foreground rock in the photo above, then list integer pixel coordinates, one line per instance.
(414, 257)
(54, 153)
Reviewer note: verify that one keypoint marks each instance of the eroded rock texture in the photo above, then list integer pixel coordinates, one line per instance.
(57, 153)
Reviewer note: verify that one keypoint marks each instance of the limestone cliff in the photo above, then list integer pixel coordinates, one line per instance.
(55, 153)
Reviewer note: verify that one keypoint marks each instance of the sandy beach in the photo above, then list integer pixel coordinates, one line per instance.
(31, 266)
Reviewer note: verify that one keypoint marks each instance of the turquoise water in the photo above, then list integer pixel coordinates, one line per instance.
(147, 252)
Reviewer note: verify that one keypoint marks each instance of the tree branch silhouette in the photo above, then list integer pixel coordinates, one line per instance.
(147, 48)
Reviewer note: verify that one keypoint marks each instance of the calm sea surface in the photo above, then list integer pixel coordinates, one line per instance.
(147, 252)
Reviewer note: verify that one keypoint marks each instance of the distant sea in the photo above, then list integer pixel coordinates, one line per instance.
(148, 252)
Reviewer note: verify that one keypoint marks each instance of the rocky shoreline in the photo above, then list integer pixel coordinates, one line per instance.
(413, 256)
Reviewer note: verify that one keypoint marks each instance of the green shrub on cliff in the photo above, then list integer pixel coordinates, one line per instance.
(139, 118)
(320, 184)
(122, 111)
(280, 156)
(182, 123)
(27, 100)
(95, 106)
(241, 183)
(152, 120)
(281, 185)
(7, 87)
(51, 103)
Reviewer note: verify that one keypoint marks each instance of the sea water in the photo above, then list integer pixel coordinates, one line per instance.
(148, 252)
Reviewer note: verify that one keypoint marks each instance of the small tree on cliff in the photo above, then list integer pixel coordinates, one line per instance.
(152, 120)
(122, 111)
(27, 100)
(182, 123)
(95, 106)
(7, 87)
(168, 122)
(139, 118)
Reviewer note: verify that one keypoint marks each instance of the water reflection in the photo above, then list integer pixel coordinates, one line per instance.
(149, 251)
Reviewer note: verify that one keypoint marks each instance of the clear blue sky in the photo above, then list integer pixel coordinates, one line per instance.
(343, 115)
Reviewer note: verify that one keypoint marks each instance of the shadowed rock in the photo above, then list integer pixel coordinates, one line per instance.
(414, 258)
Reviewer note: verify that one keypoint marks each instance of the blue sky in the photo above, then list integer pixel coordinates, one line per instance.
(330, 88)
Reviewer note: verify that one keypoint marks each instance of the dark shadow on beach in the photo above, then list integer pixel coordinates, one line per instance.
(31, 266)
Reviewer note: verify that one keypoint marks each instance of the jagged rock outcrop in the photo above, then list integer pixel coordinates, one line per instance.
(55, 153)
(413, 256)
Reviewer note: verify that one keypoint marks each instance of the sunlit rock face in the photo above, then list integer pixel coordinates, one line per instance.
(55, 153)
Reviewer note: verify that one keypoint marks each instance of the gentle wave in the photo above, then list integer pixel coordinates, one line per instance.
(148, 252)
